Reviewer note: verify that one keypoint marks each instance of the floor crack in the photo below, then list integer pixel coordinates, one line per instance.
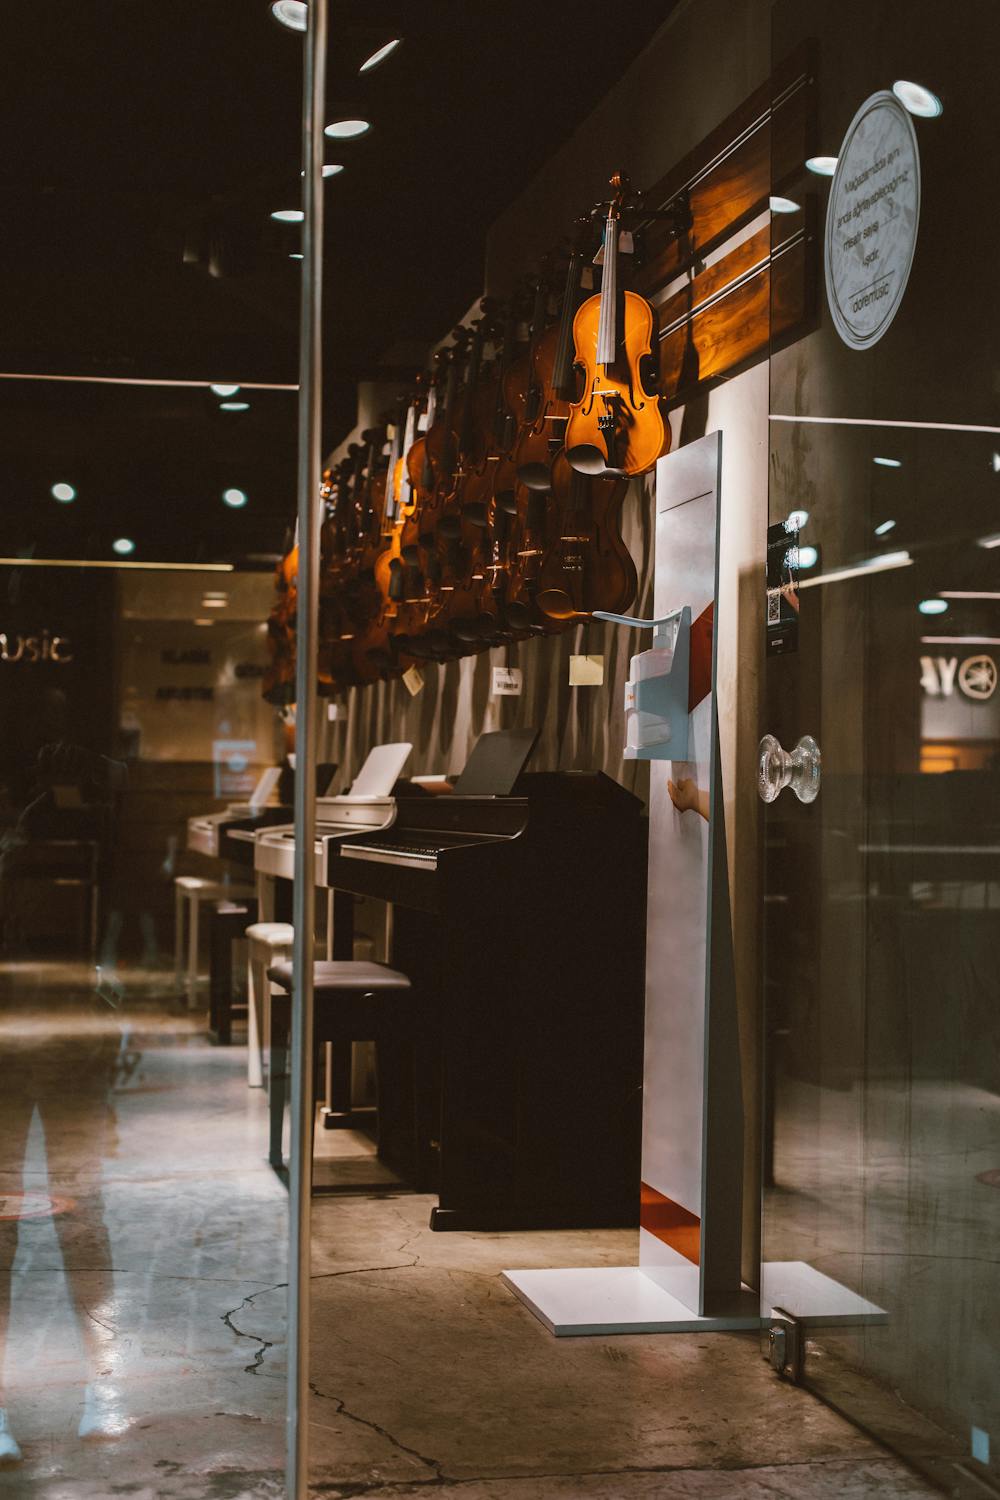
(265, 1344)
(429, 1463)
(403, 1265)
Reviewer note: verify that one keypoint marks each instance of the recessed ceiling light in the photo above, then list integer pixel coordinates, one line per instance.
(296, 255)
(64, 493)
(291, 13)
(214, 603)
(204, 622)
(885, 527)
(288, 215)
(933, 606)
(347, 130)
(234, 405)
(224, 390)
(889, 463)
(995, 463)
(807, 557)
(234, 498)
(823, 166)
(380, 56)
(330, 169)
(779, 205)
(917, 99)
(796, 520)
(123, 545)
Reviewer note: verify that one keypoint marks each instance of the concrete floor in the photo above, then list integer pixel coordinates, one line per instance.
(161, 1277)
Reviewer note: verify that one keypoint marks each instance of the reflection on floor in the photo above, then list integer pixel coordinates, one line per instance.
(145, 1226)
(159, 1282)
(426, 1371)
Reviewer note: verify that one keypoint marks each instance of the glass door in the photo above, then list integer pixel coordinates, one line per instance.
(881, 904)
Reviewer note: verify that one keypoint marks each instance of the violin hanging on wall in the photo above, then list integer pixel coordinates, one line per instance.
(618, 426)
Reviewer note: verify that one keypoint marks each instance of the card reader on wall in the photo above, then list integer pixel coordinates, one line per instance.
(656, 694)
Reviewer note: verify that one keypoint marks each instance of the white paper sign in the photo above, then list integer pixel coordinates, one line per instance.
(871, 220)
(413, 680)
(506, 682)
(586, 671)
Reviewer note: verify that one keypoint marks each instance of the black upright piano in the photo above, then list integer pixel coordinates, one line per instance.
(520, 920)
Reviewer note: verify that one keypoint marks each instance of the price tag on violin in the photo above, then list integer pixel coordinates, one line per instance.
(413, 680)
(507, 682)
(586, 671)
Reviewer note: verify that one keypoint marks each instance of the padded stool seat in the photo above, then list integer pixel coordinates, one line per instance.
(271, 932)
(331, 976)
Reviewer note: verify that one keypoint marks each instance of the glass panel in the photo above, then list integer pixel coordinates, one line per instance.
(148, 406)
(882, 904)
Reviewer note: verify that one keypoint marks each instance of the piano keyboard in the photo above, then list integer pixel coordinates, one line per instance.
(417, 856)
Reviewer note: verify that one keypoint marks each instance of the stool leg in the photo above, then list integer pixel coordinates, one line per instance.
(178, 934)
(278, 1082)
(192, 967)
(255, 1073)
(337, 1109)
(220, 991)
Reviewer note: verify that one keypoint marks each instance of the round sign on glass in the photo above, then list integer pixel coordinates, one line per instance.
(871, 220)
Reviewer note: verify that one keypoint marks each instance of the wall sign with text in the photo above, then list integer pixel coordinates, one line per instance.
(35, 648)
(976, 677)
(871, 220)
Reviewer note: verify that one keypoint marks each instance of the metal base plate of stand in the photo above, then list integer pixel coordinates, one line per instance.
(609, 1300)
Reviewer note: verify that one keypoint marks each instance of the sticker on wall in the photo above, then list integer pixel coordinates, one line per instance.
(871, 220)
(507, 682)
(782, 590)
(413, 680)
(586, 671)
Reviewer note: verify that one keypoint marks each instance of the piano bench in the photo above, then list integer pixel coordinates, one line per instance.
(228, 924)
(353, 1001)
(191, 892)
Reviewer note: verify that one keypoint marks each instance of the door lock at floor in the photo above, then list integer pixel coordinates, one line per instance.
(801, 770)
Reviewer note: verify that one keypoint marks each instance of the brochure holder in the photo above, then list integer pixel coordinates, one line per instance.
(656, 693)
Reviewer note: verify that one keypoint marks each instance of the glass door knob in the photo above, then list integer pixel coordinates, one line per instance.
(801, 769)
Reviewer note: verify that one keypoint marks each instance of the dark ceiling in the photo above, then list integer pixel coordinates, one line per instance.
(146, 146)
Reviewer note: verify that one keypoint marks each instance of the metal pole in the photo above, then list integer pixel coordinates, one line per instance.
(304, 914)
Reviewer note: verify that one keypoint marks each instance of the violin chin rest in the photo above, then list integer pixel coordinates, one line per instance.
(475, 513)
(449, 527)
(587, 459)
(556, 604)
(535, 476)
(518, 615)
(507, 502)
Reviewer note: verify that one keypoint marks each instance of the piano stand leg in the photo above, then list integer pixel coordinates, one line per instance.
(443, 1219)
(278, 1080)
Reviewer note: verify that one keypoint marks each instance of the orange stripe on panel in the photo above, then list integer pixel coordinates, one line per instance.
(669, 1222)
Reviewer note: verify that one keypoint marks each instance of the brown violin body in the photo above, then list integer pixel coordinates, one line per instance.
(618, 425)
(586, 565)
